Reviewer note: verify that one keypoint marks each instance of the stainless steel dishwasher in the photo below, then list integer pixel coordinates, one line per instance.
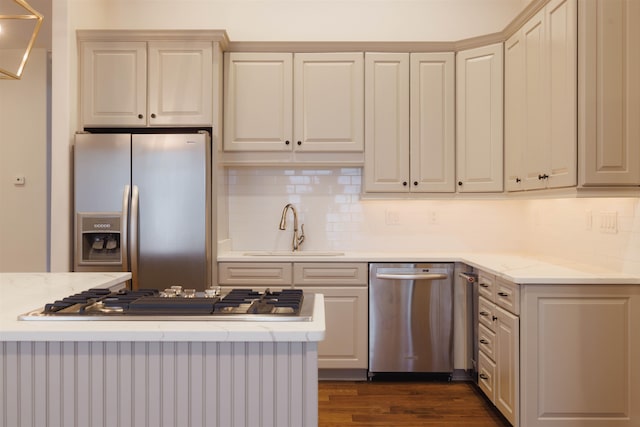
(411, 318)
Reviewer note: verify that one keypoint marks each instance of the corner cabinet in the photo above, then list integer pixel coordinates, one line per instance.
(609, 92)
(155, 83)
(345, 289)
(306, 102)
(541, 100)
(410, 122)
(479, 140)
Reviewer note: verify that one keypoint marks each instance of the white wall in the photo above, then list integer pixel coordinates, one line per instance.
(304, 20)
(23, 152)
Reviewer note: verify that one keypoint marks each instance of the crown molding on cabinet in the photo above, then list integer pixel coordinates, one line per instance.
(219, 36)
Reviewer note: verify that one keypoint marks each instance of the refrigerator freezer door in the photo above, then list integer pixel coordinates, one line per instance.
(171, 172)
(102, 170)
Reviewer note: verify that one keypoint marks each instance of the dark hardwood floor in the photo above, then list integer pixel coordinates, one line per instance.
(403, 404)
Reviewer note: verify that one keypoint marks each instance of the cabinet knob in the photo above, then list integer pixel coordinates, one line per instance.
(287, 142)
(140, 116)
(494, 318)
(153, 115)
(415, 183)
(518, 180)
(299, 142)
(404, 183)
(545, 176)
(460, 183)
(483, 376)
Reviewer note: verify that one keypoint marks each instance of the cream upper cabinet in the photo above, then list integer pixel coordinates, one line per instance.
(180, 83)
(386, 122)
(415, 92)
(146, 84)
(479, 140)
(307, 102)
(541, 98)
(114, 83)
(258, 112)
(609, 92)
(514, 111)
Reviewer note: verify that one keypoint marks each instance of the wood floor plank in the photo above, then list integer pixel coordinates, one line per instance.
(404, 404)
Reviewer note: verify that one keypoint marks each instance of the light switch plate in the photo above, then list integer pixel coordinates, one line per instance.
(609, 222)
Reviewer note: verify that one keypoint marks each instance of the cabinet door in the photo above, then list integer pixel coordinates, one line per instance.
(479, 119)
(114, 84)
(329, 101)
(258, 101)
(180, 83)
(432, 104)
(514, 112)
(561, 42)
(507, 358)
(345, 345)
(536, 95)
(580, 346)
(609, 92)
(387, 122)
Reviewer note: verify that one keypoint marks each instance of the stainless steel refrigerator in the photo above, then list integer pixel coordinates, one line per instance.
(142, 204)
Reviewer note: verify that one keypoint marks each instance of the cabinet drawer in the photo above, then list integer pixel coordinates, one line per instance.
(486, 286)
(486, 313)
(486, 341)
(325, 274)
(486, 375)
(508, 296)
(255, 273)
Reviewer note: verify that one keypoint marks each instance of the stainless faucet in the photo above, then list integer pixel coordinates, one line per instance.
(297, 239)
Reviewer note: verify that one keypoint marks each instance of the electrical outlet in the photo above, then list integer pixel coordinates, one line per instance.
(18, 180)
(609, 222)
(588, 220)
(392, 217)
(432, 217)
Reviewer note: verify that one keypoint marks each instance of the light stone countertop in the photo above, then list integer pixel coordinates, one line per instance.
(24, 292)
(521, 269)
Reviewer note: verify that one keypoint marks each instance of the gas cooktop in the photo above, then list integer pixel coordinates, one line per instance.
(179, 304)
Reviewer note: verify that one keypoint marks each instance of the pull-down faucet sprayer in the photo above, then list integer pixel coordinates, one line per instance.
(297, 239)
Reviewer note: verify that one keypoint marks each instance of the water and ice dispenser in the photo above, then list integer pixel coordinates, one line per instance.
(100, 242)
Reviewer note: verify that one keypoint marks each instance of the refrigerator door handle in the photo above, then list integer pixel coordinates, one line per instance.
(133, 241)
(126, 193)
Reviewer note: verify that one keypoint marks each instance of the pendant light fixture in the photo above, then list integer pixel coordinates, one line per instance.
(17, 22)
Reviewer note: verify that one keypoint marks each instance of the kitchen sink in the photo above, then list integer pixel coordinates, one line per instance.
(294, 253)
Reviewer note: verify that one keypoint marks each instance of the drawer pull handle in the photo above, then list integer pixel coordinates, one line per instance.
(483, 341)
(483, 376)
(503, 294)
(484, 313)
(484, 285)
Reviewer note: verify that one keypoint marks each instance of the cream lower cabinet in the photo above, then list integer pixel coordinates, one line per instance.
(580, 347)
(499, 344)
(345, 290)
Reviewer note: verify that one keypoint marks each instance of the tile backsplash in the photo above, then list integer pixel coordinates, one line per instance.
(336, 217)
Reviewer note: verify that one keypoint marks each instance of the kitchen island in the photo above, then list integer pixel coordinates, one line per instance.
(149, 373)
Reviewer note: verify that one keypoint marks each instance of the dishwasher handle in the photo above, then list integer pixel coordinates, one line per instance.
(411, 276)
